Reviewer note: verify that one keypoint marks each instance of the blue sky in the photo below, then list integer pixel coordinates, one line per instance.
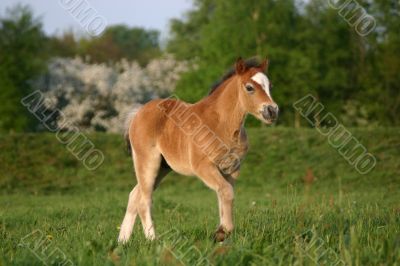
(153, 14)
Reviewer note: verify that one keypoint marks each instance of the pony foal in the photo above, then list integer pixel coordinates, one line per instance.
(206, 139)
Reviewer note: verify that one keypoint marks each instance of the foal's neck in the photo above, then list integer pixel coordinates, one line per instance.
(225, 101)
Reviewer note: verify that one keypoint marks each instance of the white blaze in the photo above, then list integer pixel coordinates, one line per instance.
(263, 81)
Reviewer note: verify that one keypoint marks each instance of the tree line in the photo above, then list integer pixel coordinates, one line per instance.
(26, 56)
(313, 47)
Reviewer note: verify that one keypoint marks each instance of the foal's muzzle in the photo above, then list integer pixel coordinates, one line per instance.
(270, 112)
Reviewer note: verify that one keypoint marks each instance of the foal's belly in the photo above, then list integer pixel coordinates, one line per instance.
(180, 166)
(176, 154)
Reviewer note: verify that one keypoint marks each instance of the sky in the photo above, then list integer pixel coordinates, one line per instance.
(150, 14)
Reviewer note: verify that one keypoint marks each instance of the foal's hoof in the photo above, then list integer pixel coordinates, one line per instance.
(220, 235)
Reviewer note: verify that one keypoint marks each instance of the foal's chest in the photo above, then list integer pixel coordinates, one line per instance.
(230, 162)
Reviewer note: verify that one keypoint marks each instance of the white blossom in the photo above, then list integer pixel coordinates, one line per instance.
(98, 96)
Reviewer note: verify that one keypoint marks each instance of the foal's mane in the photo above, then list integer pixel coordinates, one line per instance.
(249, 63)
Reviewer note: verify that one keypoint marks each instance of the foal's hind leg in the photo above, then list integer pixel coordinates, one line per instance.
(130, 216)
(149, 175)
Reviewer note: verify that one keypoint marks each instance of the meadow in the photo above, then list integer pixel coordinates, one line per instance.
(297, 202)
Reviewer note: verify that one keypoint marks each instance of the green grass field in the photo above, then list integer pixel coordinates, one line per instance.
(54, 211)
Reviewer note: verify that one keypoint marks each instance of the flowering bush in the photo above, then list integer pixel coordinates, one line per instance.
(98, 96)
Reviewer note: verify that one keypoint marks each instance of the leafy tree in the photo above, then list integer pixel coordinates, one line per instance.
(313, 49)
(65, 45)
(99, 96)
(185, 35)
(247, 29)
(22, 57)
(115, 43)
(381, 79)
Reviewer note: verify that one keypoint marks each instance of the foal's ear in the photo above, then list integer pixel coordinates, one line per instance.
(240, 66)
(264, 65)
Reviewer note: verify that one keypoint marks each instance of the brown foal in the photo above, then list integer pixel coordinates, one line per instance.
(206, 139)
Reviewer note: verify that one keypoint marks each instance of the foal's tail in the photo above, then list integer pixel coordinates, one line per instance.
(128, 122)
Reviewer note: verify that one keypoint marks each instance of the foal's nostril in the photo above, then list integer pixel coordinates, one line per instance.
(271, 111)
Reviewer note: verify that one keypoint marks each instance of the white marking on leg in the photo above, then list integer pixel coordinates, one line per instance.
(147, 222)
(149, 232)
(130, 217)
(126, 227)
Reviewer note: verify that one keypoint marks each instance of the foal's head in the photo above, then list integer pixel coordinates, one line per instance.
(255, 91)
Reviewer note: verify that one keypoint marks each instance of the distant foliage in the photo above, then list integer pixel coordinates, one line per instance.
(117, 42)
(22, 58)
(312, 49)
(98, 96)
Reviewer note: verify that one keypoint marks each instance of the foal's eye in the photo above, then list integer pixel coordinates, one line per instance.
(249, 88)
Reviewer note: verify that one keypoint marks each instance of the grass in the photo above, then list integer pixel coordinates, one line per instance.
(298, 202)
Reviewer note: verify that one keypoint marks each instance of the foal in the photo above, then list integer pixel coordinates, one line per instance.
(206, 139)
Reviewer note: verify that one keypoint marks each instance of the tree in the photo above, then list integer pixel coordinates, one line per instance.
(22, 58)
(99, 96)
(232, 29)
(313, 49)
(381, 79)
(185, 35)
(65, 45)
(119, 42)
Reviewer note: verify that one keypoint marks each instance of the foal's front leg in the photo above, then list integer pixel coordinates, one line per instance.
(223, 186)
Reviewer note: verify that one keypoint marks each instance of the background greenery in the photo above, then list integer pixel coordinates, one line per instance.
(292, 181)
(312, 49)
